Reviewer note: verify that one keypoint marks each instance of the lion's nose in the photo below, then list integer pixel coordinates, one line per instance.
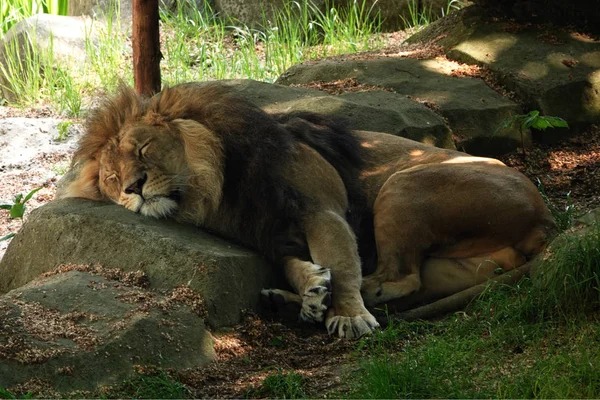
(136, 187)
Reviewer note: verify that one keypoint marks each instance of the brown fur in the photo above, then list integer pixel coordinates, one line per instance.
(442, 218)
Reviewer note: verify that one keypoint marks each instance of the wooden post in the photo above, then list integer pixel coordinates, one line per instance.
(146, 47)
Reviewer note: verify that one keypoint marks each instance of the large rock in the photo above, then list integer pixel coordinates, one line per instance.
(79, 330)
(396, 114)
(49, 38)
(473, 110)
(228, 277)
(550, 70)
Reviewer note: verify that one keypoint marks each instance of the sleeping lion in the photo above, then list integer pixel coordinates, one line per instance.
(300, 187)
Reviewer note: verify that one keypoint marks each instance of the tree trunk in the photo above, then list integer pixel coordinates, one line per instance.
(146, 47)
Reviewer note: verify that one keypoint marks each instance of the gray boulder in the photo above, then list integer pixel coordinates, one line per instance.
(374, 110)
(228, 277)
(553, 71)
(473, 110)
(80, 330)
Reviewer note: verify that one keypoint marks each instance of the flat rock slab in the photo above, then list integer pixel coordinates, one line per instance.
(79, 330)
(376, 110)
(473, 110)
(556, 72)
(228, 277)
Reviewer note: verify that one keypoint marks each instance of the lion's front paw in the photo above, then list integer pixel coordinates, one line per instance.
(316, 298)
(351, 327)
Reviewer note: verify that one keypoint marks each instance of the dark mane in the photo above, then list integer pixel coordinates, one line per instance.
(255, 193)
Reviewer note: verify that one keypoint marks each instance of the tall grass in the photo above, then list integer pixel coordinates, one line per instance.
(12, 11)
(420, 16)
(568, 282)
(197, 45)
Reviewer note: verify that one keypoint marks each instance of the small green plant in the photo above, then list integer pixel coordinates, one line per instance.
(17, 209)
(282, 385)
(63, 130)
(60, 168)
(534, 120)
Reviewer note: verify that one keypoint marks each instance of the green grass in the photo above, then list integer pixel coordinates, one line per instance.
(7, 394)
(12, 11)
(537, 339)
(197, 45)
(154, 386)
(282, 385)
(419, 17)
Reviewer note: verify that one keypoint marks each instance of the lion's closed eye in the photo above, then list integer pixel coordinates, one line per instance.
(143, 150)
(112, 178)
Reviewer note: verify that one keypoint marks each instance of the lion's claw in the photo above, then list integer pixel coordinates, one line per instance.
(352, 327)
(316, 298)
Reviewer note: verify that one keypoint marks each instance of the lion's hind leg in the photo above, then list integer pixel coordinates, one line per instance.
(445, 276)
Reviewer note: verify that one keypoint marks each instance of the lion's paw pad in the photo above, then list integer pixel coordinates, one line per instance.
(316, 298)
(352, 327)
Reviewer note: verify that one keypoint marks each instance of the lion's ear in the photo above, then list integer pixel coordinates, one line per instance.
(81, 181)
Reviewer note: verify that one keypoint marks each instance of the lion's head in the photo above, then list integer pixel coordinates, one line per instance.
(142, 155)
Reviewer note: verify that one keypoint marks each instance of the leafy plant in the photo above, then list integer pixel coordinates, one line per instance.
(534, 120)
(17, 209)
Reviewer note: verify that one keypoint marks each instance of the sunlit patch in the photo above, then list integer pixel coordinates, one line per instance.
(416, 153)
(371, 144)
(377, 171)
(470, 159)
(227, 346)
